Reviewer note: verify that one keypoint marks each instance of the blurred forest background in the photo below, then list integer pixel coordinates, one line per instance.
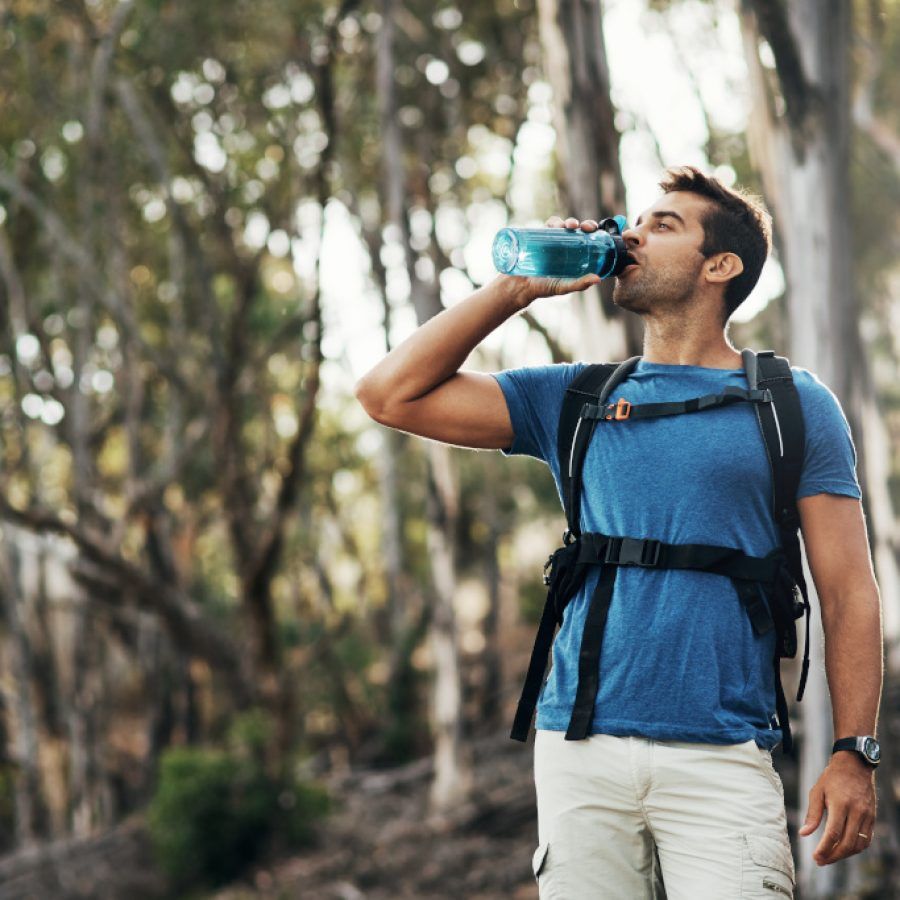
(251, 643)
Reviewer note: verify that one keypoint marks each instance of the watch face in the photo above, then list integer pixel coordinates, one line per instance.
(872, 750)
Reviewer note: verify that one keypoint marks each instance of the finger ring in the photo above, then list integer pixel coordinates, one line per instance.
(862, 835)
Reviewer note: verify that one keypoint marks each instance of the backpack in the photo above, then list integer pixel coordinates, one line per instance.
(772, 589)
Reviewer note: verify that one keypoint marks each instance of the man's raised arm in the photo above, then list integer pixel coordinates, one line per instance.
(418, 387)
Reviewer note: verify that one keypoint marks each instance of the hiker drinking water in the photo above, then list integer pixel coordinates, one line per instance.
(685, 475)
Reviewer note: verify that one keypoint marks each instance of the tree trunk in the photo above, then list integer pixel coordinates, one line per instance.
(799, 136)
(404, 607)
(452, 771)
(452, 776)
(21, 725)
(588, 154)
(491, 708)
(81, 715)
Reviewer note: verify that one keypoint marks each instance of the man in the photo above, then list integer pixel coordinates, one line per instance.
(675, 780)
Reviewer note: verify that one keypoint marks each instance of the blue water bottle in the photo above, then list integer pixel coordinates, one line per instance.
(561, 253)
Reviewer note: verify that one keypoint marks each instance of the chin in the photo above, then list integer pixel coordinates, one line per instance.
(625, 300)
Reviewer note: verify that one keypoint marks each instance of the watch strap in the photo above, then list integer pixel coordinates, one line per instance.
(861, 745)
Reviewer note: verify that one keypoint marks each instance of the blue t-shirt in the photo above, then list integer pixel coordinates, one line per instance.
(679, 659)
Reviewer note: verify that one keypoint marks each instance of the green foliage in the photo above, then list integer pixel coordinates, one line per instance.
(216, 811)
(206, 819)
(250, 734)
(300, 808)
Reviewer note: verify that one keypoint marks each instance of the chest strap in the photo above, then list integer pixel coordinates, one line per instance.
(565, 572)
(622, 409)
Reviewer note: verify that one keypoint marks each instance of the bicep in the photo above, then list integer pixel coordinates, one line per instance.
(837, 546)
(467, 410)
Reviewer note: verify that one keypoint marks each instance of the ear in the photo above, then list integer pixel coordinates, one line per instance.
(722, 267)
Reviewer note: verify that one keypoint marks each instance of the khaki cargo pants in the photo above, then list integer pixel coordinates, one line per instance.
(633, 818)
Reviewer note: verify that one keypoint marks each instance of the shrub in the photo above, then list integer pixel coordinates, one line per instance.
(215, 811)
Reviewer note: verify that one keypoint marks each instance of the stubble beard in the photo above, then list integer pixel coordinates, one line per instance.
(647, 289)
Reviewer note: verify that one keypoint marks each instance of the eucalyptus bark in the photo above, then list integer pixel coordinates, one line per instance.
(21, 723)
(587, 151)
(401, 593)
(452, 775)
(800, 134)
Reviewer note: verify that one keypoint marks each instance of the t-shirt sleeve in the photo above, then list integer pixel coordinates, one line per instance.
(534, 397)
(829, 462)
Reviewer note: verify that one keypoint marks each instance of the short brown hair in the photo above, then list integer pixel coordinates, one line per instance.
(736, 221)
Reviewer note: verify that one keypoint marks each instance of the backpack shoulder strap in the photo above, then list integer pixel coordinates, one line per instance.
(592, 385)
(784, 435)
(781, 423)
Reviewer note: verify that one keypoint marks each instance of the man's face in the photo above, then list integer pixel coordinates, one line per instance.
(665, 240)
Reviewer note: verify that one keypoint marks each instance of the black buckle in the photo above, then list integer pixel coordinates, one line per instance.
(547, 567)
(568, 539)
(628, 551)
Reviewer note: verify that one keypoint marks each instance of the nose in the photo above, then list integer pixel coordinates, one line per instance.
(633, 237)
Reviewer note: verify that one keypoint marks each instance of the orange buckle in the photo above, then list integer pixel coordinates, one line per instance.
(618, 411)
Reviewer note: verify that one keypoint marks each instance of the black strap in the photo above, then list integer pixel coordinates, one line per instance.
(781, 423)
(783, 431)
(755, 606)
(595, 548)
(565, 573)
(589, 655)
(534, 678)
(622, 410)
(595, 383)
(781, 708)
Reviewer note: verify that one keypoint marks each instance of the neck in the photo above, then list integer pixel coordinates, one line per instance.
(686, 341)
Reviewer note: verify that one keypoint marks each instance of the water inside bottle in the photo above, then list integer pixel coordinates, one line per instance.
(554, 253)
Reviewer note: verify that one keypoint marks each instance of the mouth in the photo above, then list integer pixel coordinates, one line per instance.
(632, 264)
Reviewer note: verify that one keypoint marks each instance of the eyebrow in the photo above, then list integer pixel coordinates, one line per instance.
(661, 214)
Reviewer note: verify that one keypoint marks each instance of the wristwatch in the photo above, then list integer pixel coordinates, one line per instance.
(865, 745)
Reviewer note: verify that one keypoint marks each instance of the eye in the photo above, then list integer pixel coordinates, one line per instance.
(661, 225)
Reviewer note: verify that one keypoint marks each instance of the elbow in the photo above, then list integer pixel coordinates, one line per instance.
(371, 400)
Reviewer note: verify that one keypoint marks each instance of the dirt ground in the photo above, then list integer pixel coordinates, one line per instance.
(380, 843)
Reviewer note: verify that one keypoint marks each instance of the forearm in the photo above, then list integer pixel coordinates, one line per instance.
(853, 661)
(438, 348)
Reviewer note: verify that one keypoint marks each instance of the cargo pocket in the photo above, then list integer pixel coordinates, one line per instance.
(767, 868)
(549, 876)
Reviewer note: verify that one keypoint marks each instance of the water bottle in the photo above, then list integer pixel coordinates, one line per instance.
(561, 253)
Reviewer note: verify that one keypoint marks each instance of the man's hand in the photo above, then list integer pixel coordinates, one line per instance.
(846, 789)
(553, 287)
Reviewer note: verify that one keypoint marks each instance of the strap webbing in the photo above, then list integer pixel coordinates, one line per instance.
(594, 383)
(783, 431)
(781, 707)
(589, 655)
(614, 412)
(568, 571)
(647, 553)
(534, 678)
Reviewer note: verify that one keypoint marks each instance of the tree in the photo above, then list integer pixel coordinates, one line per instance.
(143, 260)
(587, 152)
(800, 133)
